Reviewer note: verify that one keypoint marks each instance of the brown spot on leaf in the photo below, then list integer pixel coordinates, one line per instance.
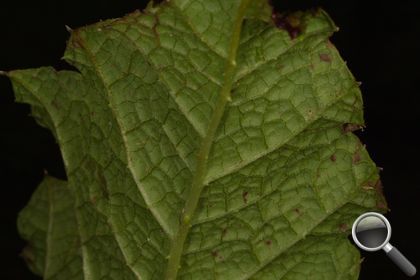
(103, 185)
(155, 24)
(325, 57)
(333, 157)
(93, 199)
(291, 22)
(356, 157)
(27, 254)
(245, 196)
(268, 242)
(350, 127)
(370, 185)
(379, 187)
(297, 211)
(76, 39)
(381, 202)
(382, 205)
(215, 254)
(343, 227)
(76, 44)
(54, 103)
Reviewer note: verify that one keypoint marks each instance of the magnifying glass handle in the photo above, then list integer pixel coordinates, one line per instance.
(401, 261)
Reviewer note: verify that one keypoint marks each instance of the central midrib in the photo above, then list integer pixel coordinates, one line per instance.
(197, 185)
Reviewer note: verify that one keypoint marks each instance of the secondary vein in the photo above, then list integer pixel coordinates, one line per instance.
(197, 185)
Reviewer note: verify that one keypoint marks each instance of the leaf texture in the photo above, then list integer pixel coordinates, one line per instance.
(200, 142)
(49, 222)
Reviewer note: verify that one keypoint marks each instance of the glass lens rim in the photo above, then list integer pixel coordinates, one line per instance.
(383, 219)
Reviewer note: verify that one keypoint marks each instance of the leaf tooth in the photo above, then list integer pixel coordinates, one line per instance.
(68, 28)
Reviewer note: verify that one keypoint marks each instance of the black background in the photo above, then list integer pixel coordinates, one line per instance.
(380, 42)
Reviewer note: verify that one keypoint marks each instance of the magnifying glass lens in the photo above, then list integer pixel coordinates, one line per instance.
(371, 232)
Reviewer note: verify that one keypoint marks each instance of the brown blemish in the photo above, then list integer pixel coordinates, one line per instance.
(27, 254)
(382, 205)
(268, 242)
(215, 254)
(350, 127)
(55, 104)
(379, 187)
(289, 22)
(93, 199)
(297, 211)
(76, 44)
(103, 185)
(245, 196)
(356, 157)
(370, 185)
(343, 227)
(154, 28)
(325, 57)
(76, 39)
(333, 157)
(381, 202)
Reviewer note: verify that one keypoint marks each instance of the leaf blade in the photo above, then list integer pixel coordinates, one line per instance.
(48, 221)
(148, 91)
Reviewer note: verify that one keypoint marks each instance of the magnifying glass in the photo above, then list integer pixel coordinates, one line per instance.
(371, 232)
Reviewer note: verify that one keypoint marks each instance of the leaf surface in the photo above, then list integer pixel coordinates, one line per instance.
(201, 141)
(49, 223)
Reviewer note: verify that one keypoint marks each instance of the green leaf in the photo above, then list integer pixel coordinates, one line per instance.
(49, 223)
(200, 142)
